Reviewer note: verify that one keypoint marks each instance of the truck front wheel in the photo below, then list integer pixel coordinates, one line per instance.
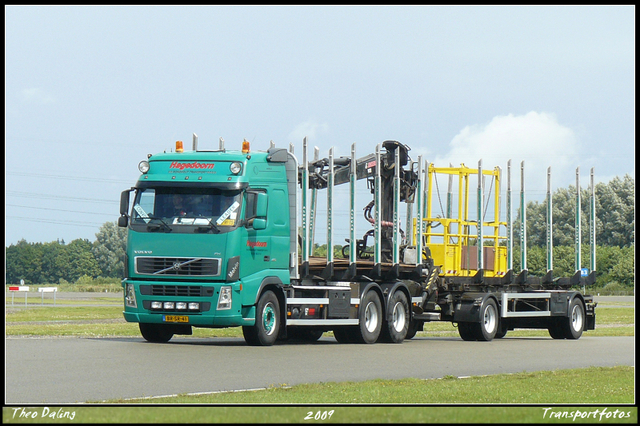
(155, 333)
(265, 330)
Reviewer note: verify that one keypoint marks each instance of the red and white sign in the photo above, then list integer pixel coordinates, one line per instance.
(19, 288)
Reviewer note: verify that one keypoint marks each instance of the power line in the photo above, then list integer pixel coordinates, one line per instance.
(74, 178)
(66, 222)
(59, 210)
(59, 197)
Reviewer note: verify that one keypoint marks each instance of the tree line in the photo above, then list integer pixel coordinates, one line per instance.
(58, 262)
(614, 232)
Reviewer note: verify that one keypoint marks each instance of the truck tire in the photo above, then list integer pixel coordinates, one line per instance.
(574, 324)
(304, 334)
(486, 329)
(570, 327)
(502, 330)
(265, 331)
(556, 330)
(370, 318)
(413, 329)
(465, 331)
(395, 330)
(155, 333)
(346, 334)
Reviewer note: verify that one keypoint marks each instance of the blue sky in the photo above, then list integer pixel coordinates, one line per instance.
(90, 91)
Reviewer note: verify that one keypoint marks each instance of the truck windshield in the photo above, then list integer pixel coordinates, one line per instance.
(167, 209)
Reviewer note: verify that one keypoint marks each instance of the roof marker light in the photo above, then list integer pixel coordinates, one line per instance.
(245, 146)
(179, 147)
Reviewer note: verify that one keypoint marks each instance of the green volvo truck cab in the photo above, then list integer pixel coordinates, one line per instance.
(208, 233)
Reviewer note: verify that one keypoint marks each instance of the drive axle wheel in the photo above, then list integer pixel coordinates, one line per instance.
(346, 334)
(370, 318)
(396, 328)
(304, 334)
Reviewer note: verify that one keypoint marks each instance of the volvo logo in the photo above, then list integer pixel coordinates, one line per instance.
(177, 266)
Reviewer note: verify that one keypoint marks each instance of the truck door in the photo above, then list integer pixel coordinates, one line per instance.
(258, 237)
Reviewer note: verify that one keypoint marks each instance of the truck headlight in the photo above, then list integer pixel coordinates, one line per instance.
(235, 167)
(143, 166)
(224, 300)
(181, 306)
(130, 297)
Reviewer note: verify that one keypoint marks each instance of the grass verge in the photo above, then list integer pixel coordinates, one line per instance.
(575, 386)
(334, 414)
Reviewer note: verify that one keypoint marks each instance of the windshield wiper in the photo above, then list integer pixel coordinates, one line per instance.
(209, 227)
(156, 226)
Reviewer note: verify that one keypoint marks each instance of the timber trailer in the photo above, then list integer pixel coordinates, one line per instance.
(224, 238)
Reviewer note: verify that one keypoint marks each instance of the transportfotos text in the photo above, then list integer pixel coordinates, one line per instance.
(550, 413)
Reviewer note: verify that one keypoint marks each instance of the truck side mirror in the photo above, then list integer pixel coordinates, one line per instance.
(124, 202)
(261, 205)
(259, 224)
(123, 221)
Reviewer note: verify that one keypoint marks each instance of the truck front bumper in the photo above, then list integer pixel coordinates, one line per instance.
(211, 312)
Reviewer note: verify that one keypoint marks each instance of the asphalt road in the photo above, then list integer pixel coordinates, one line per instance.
(71, 370)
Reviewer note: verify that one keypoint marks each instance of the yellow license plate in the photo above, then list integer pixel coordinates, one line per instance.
(176, 318)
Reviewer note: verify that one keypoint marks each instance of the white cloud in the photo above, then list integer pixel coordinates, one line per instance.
(310, 129)
(535, 138)
(35, 95)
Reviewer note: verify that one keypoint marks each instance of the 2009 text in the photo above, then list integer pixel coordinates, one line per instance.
(320, 415)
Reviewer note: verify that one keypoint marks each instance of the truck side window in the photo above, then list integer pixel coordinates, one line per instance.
(252, 203)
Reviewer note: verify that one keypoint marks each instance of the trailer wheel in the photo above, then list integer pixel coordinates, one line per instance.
(413, 329)
(502, 330)
(556, 330)
(395, 330)
(465, 331)
(574, 324)
(370, 318)
(265, 330)
(155, 333)
(487, 328)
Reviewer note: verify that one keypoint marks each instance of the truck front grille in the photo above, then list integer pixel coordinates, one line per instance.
(172, 290)
(182, 266)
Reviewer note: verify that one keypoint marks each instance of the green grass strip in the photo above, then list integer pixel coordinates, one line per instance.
(332, 414)
(594, 385)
